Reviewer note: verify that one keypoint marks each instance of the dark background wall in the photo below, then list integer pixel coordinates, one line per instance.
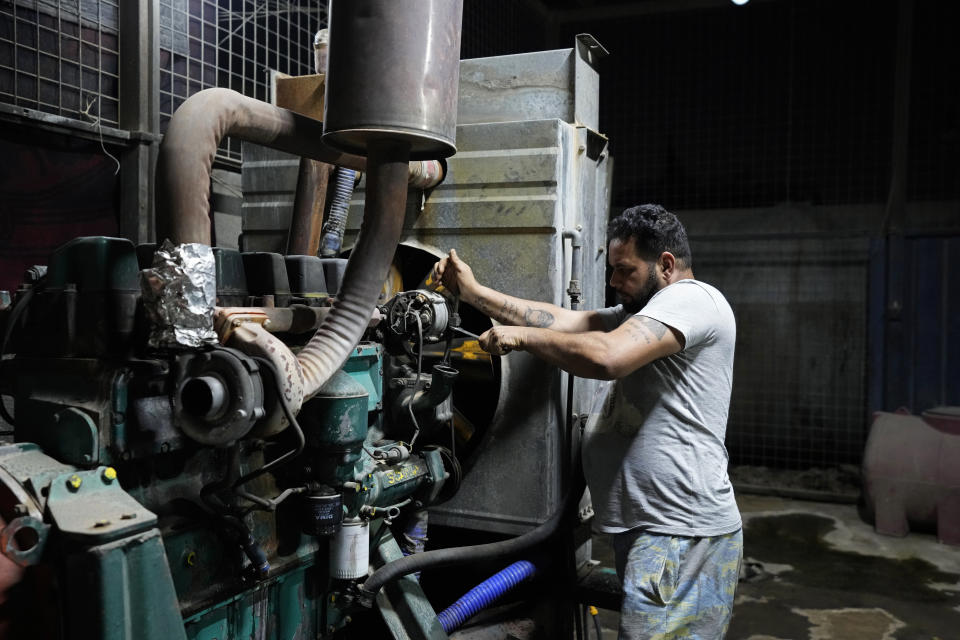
(809, 146)
(777, 101)
(819, 184)
(751, 106)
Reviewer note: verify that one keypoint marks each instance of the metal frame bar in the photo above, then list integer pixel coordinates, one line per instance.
(140, 112)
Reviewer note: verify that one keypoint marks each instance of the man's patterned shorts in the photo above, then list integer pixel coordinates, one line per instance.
(676, 587)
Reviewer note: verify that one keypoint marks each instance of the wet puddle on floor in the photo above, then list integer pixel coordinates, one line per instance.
(797, 540)
(799, 587)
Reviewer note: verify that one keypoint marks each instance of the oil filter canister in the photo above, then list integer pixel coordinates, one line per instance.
(350, 550)
(323, 514)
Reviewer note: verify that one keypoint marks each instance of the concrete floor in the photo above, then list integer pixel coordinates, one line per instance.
(816, 571)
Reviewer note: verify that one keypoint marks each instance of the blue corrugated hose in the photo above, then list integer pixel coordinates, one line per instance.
(485, 594)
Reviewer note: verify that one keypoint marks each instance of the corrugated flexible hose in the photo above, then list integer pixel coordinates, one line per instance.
(387, 173)
(333, 228)
(489, 552)
(485, 594)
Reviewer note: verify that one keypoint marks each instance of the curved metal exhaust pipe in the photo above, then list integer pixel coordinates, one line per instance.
(186, 154)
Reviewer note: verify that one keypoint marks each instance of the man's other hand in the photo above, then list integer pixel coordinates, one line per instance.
(454, 274)
(502, 340)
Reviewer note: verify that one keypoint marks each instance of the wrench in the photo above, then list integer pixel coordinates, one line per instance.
(465, 332)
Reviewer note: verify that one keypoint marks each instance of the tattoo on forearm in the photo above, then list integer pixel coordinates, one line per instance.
(482, 306)
(511, 313)
(537, 318)
(645, 330)
(509, 310)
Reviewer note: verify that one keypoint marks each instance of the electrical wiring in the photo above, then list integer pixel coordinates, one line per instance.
(416, 384)
(301, 440)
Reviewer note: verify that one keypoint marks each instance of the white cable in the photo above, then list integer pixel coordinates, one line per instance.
(96, 121)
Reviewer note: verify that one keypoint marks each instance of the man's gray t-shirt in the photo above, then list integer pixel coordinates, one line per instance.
(653, 451)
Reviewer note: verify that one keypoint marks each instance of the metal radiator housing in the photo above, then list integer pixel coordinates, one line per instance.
(529, 165)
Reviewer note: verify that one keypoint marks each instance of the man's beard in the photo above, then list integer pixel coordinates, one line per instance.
(643, 296)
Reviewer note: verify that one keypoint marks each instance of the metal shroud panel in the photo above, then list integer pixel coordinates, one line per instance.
(509, 194)
(532, 86)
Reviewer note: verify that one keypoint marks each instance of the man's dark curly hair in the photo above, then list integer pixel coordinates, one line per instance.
(655, 230)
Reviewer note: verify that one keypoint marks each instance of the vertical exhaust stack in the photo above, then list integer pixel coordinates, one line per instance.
(391, 95)
(393, 73)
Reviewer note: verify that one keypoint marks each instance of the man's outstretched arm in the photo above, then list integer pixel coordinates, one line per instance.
(593, 354)
(457, 276)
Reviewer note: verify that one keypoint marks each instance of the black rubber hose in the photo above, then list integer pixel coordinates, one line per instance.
(233, 523)
(596, 625)
(256, 555)
(490, 552)
(251, 548)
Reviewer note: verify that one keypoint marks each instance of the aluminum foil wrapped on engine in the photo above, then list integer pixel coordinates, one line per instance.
(179, 294)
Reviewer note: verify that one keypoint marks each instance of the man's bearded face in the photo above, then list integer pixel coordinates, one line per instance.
(633, 278)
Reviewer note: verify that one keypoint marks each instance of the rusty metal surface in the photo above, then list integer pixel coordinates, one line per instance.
(308, 203)
(186, 154)
(426, 174)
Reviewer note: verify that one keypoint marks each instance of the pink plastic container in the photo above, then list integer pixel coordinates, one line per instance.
(911, 472)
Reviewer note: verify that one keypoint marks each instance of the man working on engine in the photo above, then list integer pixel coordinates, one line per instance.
(653, 451)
